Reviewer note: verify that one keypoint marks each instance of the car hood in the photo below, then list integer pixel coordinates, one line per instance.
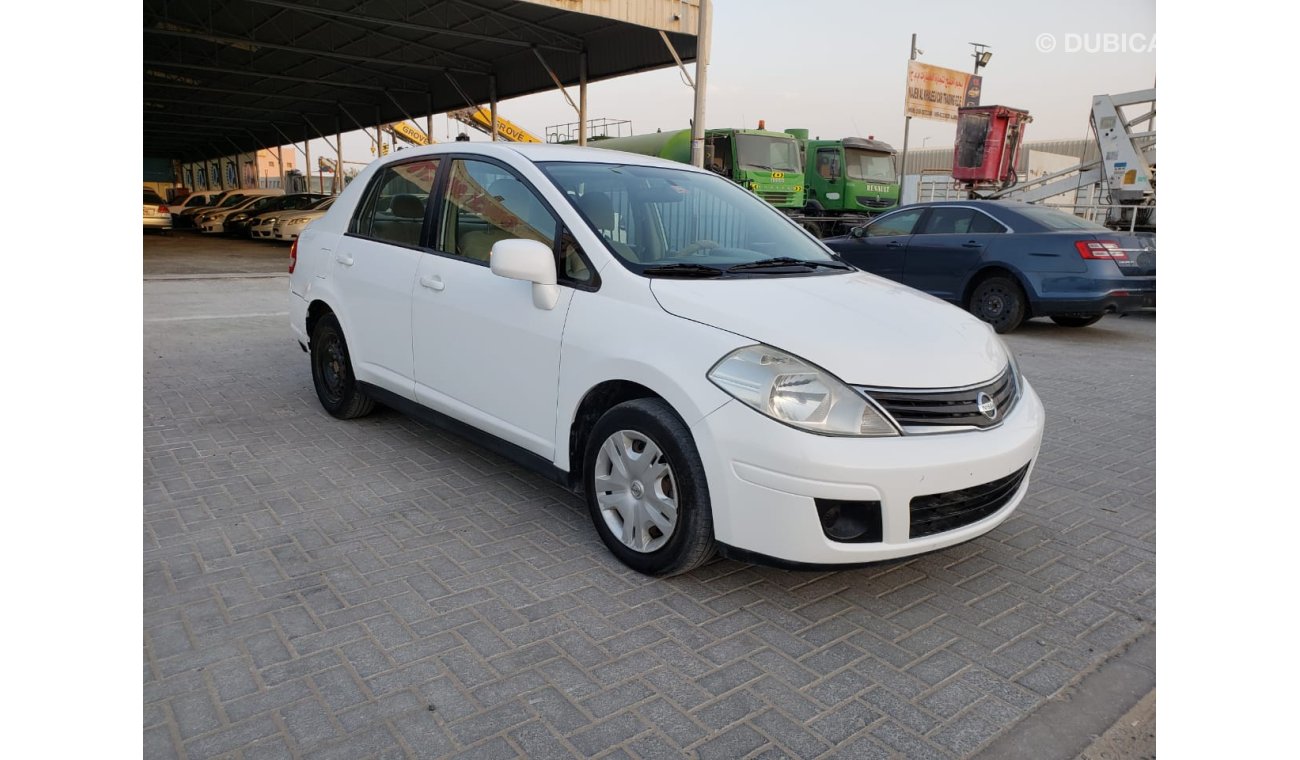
(863, 329)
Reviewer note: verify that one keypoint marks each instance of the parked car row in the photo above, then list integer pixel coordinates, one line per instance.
(264, 214)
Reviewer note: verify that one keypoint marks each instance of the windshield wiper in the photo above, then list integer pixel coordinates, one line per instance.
(785, 262)
(683, 270)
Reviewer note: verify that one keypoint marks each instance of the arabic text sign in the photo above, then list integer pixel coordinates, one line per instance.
(936, 93)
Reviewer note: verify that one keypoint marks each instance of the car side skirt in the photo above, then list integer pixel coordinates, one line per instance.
(517, 454)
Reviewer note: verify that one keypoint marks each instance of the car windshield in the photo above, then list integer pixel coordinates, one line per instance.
(1054, 219)
(771, 153)
(233, 200)
(674, 222)
(321, 205)
(869, 165)
(152, 198)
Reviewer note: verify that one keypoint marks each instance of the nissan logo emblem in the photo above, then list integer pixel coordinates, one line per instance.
(984, 402)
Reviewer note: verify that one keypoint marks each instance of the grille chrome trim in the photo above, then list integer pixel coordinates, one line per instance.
(946, 410)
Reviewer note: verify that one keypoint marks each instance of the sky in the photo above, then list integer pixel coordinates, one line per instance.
(837, 68)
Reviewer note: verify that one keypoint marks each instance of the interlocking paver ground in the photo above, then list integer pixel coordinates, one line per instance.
(377, 588)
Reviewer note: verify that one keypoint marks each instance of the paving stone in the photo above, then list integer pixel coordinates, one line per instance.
(340, 577)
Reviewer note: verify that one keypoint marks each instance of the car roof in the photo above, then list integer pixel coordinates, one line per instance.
(542, 152)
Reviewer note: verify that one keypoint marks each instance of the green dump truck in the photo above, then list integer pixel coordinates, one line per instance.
(767, 163)
(848, 180)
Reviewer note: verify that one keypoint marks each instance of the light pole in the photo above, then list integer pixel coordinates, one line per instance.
(981, 56)
(907, 121)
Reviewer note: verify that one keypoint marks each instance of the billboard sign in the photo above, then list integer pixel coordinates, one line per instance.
(934, 92)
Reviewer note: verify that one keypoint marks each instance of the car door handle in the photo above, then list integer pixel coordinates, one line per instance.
(433, 282)
(344, 259)
(972, 244)
(893, 244)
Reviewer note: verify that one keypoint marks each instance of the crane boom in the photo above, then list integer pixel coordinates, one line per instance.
(481, 119)
(408, 133)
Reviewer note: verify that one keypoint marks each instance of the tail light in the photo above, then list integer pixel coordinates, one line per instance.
(293, 256)
(1100, 249)
(163, 210)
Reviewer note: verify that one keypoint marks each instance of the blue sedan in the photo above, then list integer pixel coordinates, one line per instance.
(1007, 261)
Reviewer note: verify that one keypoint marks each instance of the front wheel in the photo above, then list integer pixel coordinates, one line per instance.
(331, 371)
(646, 489)
(1077, 321)
(1000, 302)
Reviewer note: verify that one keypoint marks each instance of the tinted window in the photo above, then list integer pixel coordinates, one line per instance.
(152, 198)
(394, 209)
(984, 224)
(485, 203)
(948, 221)
(895, 224)
(1053, 219)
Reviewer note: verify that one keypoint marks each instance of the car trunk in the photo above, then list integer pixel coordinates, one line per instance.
(1140, 253)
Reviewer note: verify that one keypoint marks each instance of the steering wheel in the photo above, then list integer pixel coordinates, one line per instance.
(698, 247)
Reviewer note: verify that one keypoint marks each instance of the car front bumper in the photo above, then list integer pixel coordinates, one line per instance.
(764, 479)
(288, 232)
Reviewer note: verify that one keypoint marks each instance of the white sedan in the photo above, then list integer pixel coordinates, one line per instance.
(289, 225)
(711, 377)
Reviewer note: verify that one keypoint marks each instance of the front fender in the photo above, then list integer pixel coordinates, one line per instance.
(638, 342)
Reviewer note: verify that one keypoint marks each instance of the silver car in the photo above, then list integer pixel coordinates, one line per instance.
(156, 214)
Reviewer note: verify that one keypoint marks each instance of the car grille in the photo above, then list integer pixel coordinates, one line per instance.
(931, 409)
(776, 199)
(867, 202)
(943, 512)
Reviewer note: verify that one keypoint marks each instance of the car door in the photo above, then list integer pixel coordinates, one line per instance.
(374, 268)
(484, 353)
(883, 243)
(946, 248)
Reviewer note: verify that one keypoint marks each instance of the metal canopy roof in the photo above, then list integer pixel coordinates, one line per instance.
(230, 76)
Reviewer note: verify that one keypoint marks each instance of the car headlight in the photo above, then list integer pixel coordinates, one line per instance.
(792, 391)
(1015, 366)
(236, 217)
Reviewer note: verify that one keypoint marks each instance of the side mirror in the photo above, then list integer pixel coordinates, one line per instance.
(858, 232)
(531, 261)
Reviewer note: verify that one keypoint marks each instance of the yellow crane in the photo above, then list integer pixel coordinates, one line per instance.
(481, 119)
(408, 132)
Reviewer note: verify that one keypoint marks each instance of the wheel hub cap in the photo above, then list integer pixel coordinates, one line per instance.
(636, 491)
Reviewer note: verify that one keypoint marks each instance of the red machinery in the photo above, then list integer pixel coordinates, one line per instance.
(988, 146)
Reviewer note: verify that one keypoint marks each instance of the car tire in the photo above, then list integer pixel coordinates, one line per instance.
(640, 459)
(998, 301)
(1078, 321)
(331, 372)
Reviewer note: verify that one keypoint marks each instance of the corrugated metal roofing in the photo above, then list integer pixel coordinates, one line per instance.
(228, 76)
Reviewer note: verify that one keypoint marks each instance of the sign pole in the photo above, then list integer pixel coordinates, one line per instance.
(907, 124)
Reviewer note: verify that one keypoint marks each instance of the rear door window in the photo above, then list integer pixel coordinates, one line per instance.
(394, 208)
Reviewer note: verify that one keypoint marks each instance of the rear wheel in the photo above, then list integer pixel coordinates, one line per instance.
(1000, 302)
(331, 371)
(646, 489)
(1078, 321)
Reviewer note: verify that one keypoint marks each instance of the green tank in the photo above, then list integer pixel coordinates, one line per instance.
(766, 163)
